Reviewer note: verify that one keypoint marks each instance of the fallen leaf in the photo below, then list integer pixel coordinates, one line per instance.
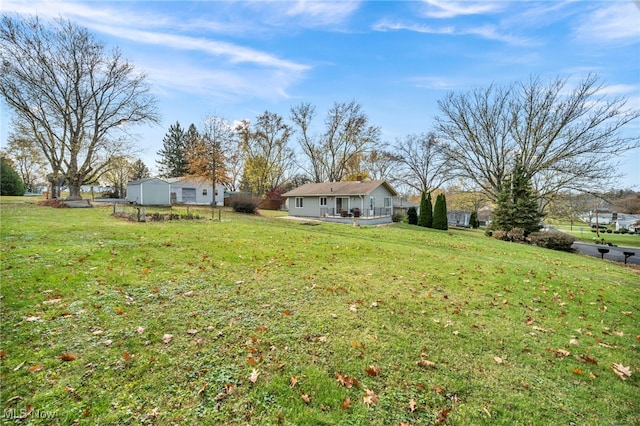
(618, 333)
(306, 398)
(36, 368)
(31, 318)
(426, 363)
(19, 366)
(335, 316)
(412, 405)
(188, 293)
(293, 381)
(373, 370)
(621, 371)
(497, 359)
(67, 357)
(167, 338)
(486, 411)
(442, 417)
(193, 331)
(107, 342)
(561, 353)
(202, 389)
(126, 356)
(254, 375)
(353, 308)
(577, 371)
(574, 342)
(370, 398)
(140, 330)
(287, 312)
(346, 403)
(3, 354)
(536, 328)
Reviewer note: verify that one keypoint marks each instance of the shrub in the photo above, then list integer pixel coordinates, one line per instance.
(440, 220)
(609, 231)
(473, 220)
(552, 240)
(515, 235)
(412, 216)
(244, 203)
(398, 217)
(624, 231)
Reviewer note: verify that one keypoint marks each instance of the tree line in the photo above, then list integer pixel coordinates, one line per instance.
(75, 102)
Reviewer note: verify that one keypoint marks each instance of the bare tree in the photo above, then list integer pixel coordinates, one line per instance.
(567, 138)
(267, 156)
(346, 138)
(379, 165)
(72, 96)
(421, 163)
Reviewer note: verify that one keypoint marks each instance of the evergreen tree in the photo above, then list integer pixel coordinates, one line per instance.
(425, 217)
(440, 220)
(139, 170)
(412, 216)
(423, 209)
(428, 222)
(473, 220)
(173, 158)
(516, 204)
(10, 182)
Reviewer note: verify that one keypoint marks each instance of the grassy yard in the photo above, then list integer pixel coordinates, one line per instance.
(260, 320)
(583, 233)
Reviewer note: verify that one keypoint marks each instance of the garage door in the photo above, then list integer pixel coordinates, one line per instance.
(188, 195)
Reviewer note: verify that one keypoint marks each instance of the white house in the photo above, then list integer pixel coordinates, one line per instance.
(188, 190)
(148, 192)
(371, 201)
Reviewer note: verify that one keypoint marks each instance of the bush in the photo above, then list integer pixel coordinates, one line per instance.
(412, 216)
(609, 231)
(398, 217)
(514, 235)
(552, 240)
(624, 231)
(244, 203)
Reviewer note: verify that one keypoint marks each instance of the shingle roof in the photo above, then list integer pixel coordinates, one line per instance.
(339, 188)
(139, 181)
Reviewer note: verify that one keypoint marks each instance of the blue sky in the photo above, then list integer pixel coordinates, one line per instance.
(397, 59)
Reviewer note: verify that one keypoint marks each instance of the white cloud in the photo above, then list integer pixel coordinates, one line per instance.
(450, 9)
(316, 13)
(614, 23)
(489, 32)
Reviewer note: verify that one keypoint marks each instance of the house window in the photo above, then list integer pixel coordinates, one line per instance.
(299, 202)
(323, 201)
(204, 192)
(387, 202)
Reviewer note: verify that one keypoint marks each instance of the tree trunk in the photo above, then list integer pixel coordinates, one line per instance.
(74, 188)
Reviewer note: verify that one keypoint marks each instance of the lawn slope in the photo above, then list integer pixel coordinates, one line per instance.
(258, 320)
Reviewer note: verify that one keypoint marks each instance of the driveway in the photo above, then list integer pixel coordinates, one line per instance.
(615, 253)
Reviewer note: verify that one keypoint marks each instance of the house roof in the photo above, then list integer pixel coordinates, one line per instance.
(339, 188)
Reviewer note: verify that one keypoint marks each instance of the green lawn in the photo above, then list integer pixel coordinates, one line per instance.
(583, 233)
(260, 320)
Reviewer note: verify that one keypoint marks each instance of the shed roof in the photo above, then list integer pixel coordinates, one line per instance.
(141, 181)
(339, 188)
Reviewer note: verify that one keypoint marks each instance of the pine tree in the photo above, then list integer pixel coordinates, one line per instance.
(10, 181)
(139, 170)
(440, 220)
(516, 204)
(173, 160)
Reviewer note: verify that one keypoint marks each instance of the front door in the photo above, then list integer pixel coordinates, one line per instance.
(342, 204)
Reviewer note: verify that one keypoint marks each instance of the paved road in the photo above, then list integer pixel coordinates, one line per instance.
(615, 253)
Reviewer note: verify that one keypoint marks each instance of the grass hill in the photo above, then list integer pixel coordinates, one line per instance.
(259, 320)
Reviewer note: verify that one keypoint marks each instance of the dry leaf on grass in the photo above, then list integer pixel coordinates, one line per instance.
(370, 398)
(67, 357)
(497, 359)
(167, 338)
(412, 405)
(306, 398)
(254, 375)
(373, 370)
(621, 371)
